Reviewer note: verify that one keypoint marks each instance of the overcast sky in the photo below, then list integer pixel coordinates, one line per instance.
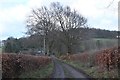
(13, 14)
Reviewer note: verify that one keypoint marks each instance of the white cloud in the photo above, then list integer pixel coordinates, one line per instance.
(94, 10)
(13, 14)
(108, 24)
(86, 7)
(11, 18)
(34, 3)
(98, 11)
(1, 29)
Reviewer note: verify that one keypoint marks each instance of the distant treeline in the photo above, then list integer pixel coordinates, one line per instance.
(35, 42)
(100, 33)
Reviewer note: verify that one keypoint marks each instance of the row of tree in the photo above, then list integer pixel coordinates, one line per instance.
(11, 45)
(99, 33)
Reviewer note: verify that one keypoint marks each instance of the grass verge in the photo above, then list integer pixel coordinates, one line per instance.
(44, 72)
(94, 72)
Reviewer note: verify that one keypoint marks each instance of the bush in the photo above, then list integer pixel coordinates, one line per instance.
(109, 58)
(13, 65)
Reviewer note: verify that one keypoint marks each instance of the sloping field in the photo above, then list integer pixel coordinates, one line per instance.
(98, 44)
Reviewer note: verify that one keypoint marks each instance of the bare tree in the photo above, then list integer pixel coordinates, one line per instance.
(39, 22)
(68, 22)
(57, 23)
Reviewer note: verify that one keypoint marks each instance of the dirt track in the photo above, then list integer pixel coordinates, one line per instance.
(62, 70)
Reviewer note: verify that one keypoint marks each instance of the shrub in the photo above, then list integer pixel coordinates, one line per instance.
(109, 58)
(13, 65)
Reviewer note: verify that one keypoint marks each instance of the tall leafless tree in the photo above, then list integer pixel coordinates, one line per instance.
(57, 23)
(68, 22)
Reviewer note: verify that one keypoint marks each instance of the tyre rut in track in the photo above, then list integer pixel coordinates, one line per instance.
(61, 68)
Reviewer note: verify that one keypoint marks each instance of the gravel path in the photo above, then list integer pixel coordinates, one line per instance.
(60, 70)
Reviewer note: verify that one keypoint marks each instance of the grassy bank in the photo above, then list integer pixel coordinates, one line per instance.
(94, 71)
(44, 72)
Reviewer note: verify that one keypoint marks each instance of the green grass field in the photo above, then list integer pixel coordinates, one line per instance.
(107, 42)
(93, 71)
(98, 43)
(105, 39)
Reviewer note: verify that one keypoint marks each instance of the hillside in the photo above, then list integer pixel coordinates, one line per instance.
(100, 33)
(93, 39)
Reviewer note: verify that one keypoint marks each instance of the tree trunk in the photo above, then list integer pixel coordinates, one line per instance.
(69, 50)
